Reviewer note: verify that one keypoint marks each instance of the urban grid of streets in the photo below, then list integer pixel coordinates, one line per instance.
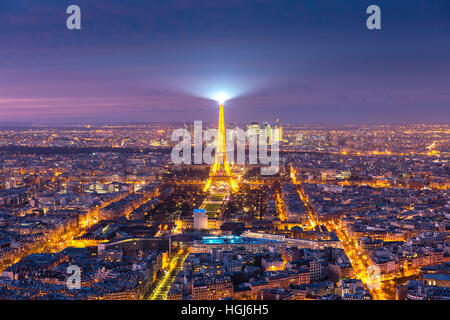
(359, 261)
(381, 288)
(57, 241)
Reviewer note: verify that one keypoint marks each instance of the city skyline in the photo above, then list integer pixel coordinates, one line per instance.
(298, 61)
(350, 214)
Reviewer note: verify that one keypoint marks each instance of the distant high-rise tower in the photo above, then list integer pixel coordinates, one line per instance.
(253, 129)
(221, 171)
(269, 133)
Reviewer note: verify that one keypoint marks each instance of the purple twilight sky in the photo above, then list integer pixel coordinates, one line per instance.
(301, 61)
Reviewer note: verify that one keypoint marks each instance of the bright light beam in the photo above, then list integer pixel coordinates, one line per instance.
(221, 97)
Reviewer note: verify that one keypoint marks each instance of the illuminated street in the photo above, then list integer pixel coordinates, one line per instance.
(163, 284)
(59, 240)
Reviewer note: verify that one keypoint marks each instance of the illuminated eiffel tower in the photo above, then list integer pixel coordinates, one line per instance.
(220, 171)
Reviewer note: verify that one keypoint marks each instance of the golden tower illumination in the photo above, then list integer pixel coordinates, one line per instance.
(220, 171)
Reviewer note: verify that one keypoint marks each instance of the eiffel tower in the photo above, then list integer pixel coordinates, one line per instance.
(220, 171)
